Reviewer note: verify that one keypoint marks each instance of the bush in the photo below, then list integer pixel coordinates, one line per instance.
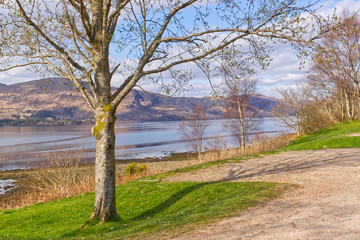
(64, 172)
(134, 168)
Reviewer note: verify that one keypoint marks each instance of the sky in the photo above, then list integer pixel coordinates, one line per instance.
(282, 73)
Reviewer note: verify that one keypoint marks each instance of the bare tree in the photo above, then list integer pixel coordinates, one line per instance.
(217, 143)
(336, 64)
(238, 88)
(86, 42)
(242, 116)
(193, 129)
(290, 110)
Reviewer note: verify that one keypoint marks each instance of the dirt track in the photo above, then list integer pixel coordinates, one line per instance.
(325, 205)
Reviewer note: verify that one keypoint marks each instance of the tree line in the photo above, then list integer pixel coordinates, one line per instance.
(330, 93)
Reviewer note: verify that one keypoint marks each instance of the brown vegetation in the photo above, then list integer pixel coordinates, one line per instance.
(64, 175)
(259, 144)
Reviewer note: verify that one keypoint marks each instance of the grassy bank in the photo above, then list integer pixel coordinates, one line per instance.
(146, 208)
(340, 135)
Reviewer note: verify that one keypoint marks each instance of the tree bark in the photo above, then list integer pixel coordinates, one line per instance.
(104, 134)
(241, 109)
(348, 106)
(242, 134)
(199, 150)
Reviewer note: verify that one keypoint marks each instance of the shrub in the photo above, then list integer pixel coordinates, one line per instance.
(134, 168)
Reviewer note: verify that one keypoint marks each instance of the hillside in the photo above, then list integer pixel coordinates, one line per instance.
(55, 99)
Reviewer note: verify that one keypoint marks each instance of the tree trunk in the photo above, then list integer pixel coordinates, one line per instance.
(298, 123)
(348, 106)
(199, 147)
(104, 134)
(357, 92)
(342, 110)
(241, 109)
(242, 134)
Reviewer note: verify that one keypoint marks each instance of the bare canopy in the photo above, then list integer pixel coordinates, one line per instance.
(89, 42)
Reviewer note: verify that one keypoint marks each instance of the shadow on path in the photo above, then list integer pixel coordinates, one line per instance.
(297, 161)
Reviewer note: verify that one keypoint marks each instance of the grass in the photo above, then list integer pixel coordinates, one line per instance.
(334, 136)
(146, 208)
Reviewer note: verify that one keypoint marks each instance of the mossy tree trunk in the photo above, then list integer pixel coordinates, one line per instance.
(104, 134)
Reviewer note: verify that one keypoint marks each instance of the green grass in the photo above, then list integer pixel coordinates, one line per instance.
(333, 136)
(146, 208)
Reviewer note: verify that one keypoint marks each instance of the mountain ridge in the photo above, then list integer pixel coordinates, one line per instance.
(56, 99)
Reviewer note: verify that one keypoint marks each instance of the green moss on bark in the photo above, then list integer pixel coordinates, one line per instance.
(102, 120)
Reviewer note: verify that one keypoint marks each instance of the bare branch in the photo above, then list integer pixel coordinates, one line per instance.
(21, 65)
(56, 46)
(85, 19)
(192, 59)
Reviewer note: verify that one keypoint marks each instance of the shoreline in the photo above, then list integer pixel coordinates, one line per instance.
(18, 178)
(68, 122)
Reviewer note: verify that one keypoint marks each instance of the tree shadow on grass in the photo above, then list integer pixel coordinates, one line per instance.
(170, 201)
(149, 213)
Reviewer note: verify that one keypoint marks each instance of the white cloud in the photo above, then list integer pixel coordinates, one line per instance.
(17, 75)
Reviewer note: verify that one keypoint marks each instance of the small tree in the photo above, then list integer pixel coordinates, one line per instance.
(290, 110)
(242, 117)
(193, 129)
(239, 86)
(302, 110)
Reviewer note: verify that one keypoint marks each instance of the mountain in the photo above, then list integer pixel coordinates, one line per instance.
(55, 99)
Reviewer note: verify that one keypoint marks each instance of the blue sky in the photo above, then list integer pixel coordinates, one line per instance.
(282, 73)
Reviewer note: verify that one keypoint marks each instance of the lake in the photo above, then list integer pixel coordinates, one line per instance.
(24, 147)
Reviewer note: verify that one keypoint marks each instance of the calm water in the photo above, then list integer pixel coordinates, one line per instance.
(23, 147)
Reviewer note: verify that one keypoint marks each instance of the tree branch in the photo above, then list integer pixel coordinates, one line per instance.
(52, 43)
(20, 65)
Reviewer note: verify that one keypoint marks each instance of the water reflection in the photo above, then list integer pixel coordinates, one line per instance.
(28, 146)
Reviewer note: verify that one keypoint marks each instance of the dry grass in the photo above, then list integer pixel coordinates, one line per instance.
(260, 143)
(65, 174)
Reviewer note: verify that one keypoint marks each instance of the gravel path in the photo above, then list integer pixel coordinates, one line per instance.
(325, 205)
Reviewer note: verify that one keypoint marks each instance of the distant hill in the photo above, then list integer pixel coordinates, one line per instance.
(55, 99)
